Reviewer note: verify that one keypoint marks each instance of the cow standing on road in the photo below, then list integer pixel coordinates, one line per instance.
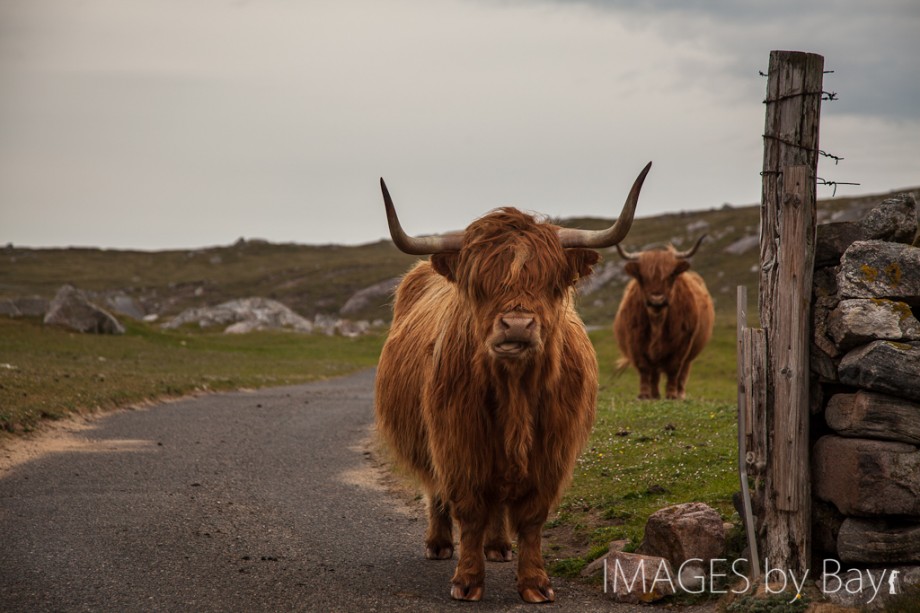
(664, 320)
(487, 383)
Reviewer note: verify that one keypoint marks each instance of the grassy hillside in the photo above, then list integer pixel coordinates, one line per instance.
(320, 279)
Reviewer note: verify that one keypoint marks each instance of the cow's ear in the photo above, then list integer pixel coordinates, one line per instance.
(581, 261)
(445, 264)
(682, 266)
(632, 269)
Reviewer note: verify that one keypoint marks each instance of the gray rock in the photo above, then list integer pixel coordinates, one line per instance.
(684, 531)
(598, 565)
(871, 415)
(895, 220)
(857, 321)
(884, 366)
(608, 272)
(380, 292)
(867, 477)
(877, 269)
(743, 245)
(879, 541)
(254, 313)
(72, 309)
(635, 578)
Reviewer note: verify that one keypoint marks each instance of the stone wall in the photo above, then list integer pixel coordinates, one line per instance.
(865, 363)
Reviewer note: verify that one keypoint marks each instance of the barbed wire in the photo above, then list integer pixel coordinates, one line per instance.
(766, 74)
(835, 184)
(825, 96)
(789, 143)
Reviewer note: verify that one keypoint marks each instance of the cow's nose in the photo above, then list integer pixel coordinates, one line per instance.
(657, 300)
(518, 326)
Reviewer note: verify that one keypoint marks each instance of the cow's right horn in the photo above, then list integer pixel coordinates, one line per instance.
(600, 239)
(426, 245)
(689, 252)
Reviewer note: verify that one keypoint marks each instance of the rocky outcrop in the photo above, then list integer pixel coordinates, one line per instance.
(243, 315)
(379, 292)
(254, 314)
(72, 309)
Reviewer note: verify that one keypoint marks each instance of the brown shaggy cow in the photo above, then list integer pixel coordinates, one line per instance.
(487, 383)
(664, 320)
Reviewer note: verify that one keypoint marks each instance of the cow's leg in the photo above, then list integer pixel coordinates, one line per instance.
(677, 381)
(655, 378)
(439, 541)
(528, 517)
(648, 383)
(471, 568)
(498, 542)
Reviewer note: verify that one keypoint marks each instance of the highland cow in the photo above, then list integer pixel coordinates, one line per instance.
(664, 320)
(487, 383)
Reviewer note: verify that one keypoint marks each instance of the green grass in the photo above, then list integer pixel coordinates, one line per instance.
(646, 455)
(47, 372)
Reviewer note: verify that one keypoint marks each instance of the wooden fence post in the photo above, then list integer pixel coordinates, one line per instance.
(794, 91)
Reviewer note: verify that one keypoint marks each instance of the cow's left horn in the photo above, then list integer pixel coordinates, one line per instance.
(689, 252)
(600, 239)
(426, 245)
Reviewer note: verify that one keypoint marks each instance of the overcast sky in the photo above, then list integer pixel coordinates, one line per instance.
(182, 123)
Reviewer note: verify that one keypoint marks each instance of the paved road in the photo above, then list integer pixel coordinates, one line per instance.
(250, 501)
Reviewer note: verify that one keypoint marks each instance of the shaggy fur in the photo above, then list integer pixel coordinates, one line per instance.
(493, 440)
(664, 321)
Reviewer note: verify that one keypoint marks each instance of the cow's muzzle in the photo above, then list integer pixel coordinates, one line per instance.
(514, 334)
(656, 302)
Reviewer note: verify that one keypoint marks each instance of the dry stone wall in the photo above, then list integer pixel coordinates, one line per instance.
(865, 362)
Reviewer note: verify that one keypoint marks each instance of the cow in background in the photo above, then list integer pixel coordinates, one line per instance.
(487, 383)
(665, 318)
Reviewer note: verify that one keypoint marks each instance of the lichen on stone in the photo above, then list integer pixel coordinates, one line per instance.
(869, 273)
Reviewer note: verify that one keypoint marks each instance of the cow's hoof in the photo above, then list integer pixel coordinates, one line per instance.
(436, 552)
(469, 593)
(538, 595)
(498, 553)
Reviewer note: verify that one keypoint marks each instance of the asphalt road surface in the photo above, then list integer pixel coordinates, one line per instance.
(249, 501)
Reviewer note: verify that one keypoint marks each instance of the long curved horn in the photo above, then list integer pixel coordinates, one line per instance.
(689, 252)
(426, 245)
(628, 255)
(600, 239)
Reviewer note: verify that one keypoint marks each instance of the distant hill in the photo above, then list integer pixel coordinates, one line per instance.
(321, 279)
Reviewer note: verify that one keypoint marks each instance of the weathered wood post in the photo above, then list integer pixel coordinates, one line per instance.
(794, 91)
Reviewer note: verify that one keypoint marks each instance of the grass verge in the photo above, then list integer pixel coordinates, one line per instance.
(47, 372)
(646, 455)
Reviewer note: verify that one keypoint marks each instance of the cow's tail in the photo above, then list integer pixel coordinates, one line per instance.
(621, 366)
